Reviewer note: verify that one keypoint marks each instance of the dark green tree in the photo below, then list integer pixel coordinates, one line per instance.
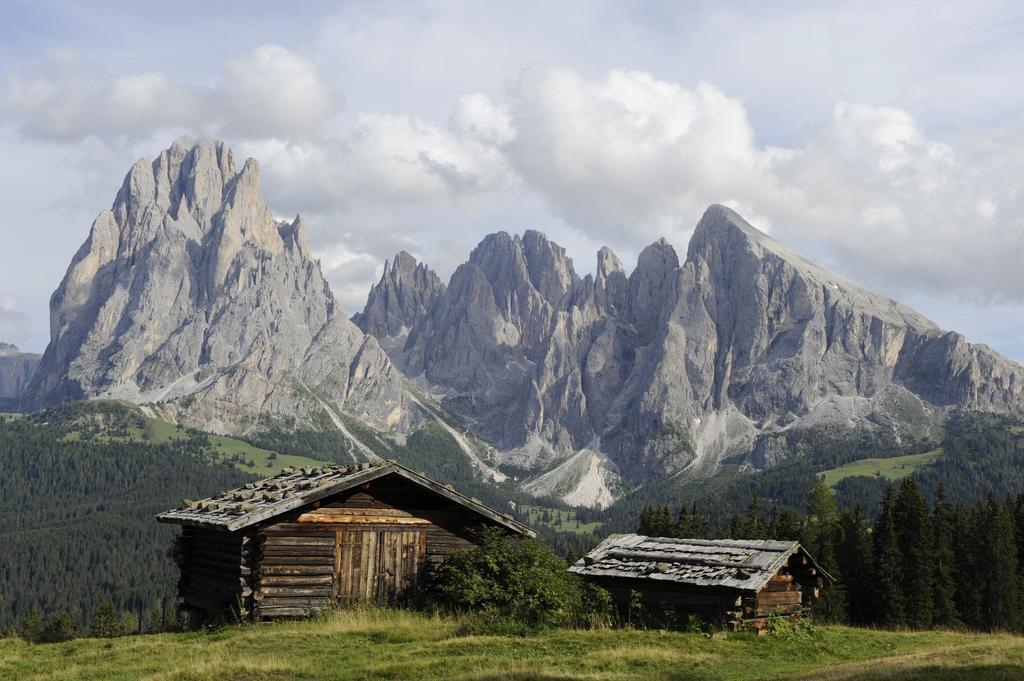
(998, 569)
(106, 621)
(888, 592)
(856, 565)
(944, 561)
(968, 531)
(512, 577)
(820, 536)
(785, 524)
(62, 626)
(32, 630)
(691, 523)
(914, 535)
(656, 521)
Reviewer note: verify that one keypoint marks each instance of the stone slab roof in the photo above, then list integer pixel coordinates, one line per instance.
(294, 488)
(741, 564)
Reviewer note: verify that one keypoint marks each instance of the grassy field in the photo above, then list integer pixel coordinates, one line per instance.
(391, 644)
(893, 468)
(264, 461)
(568, 519)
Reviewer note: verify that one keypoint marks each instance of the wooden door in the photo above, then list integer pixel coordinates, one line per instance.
(375, 564)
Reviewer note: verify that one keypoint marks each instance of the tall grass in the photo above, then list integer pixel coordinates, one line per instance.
(382, 643)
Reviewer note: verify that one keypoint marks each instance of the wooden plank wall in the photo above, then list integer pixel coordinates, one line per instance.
(295, 570)
(216, 570)
(787, 594)
(301, 552)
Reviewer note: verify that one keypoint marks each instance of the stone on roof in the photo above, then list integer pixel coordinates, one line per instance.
(743, 564)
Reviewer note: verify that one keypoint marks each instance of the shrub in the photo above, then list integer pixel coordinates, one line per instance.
(106, 622)
(519, 579)
(61, 627)
(32, 630)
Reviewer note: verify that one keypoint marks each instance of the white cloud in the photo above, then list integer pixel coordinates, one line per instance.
(622, 157)
(628, 155)
(903, 211)
(69, 97)
(14, 324)
(270, 92)
(273, 92)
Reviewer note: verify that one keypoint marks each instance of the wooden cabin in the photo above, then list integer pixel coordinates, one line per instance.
(311, 538)
(734, 582)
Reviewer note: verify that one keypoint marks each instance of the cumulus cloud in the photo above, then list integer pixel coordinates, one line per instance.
(627, 157)
(273, 92)
(901, 209)
(270, 92)
(14, 325)
(69, 97)
(629, 151)
(622, 158)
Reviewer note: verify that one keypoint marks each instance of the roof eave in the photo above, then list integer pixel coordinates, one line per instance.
(349, 482)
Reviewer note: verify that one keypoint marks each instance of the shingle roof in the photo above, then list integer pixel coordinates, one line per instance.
(293, 488)
(743, 564)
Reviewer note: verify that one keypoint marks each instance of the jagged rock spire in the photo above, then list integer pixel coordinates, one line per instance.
(189, 287)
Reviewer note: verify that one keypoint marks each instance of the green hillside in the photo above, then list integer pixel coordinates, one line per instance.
(114, 421)
(394, 644)
(79, 486)
(892, 468)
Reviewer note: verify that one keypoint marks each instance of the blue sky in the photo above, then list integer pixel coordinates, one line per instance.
(882, 139)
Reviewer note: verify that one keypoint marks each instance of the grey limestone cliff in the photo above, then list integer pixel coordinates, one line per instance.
(191, 297)
(610, 379)
(16, 370)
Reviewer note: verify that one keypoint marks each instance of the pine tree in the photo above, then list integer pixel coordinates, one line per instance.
(943, 586)
(32, 630)
(691, 523)
(62, 626)
(656, 521)
(968, 530)
(737, 528)
(914, 534)
(1018, 523)
(888, 601)
(998, 569)
(754, 521)
(786, 525)
(855, 564)
(106, 622)
(820, 535)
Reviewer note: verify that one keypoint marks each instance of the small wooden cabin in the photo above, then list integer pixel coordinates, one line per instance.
(310, 538)
(729, 581)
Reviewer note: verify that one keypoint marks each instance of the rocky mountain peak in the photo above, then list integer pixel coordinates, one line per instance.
(399, 300)
(293, 234)
(190, 288)
(652, 286)
(610, 283)
(16, 370)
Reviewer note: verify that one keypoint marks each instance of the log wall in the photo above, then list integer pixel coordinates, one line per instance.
(217, 567)
(789, 594)
(376, 542)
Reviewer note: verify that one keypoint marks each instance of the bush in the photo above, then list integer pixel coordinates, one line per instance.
(32, 630)
(505, 577)
(62, 627)
(106, 622)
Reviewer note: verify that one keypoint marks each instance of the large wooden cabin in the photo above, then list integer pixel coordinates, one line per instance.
(310, 538)
(733, 582)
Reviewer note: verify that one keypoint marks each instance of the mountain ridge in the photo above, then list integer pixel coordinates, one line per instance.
(741, 339)
(190, 298)
(188, 295)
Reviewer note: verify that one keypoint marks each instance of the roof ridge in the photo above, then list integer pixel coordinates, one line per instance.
(296, 486)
